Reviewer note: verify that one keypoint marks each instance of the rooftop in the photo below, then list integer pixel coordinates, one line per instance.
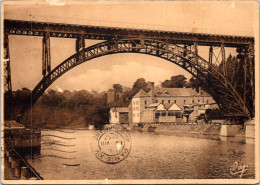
(142, 93)
(178, 92)
(120, 109)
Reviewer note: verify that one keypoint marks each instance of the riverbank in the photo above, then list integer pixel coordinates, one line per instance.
(234, 133)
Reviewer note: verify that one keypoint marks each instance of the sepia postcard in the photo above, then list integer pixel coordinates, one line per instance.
(129, 92)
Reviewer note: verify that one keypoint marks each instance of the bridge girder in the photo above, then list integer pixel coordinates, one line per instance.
(29, 28)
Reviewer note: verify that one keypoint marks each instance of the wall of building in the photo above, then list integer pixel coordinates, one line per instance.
(130, 113)
(148, 116)
(167, 119)
(123, 117)
(136, 105)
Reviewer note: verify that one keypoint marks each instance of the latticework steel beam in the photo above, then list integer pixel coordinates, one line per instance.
(60, 30)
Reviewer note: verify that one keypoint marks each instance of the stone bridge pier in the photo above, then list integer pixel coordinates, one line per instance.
(246, 132)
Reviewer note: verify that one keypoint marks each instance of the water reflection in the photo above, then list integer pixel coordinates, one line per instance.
(153, 156)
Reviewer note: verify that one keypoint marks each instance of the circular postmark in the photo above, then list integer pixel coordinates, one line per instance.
(112, 144)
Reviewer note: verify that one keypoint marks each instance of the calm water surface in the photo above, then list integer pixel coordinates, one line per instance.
(152, 156)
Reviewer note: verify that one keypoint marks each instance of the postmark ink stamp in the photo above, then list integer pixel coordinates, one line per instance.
(112, 144)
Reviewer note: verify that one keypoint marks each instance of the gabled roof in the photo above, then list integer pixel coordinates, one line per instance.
(160, 107)
(174, 107)
(167, 105)
(142, 93)
(204, 93)
(150, 93)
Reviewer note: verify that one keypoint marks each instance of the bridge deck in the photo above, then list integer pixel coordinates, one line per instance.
(28, 28)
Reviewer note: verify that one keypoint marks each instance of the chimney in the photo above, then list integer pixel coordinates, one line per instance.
(151, 86)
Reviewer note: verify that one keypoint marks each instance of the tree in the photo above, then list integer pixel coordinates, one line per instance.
(178, 81)
(117, 89)
(53, 98)
(194, 83)
(140, 84)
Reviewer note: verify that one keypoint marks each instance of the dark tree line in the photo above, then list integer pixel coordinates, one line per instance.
(63, 109)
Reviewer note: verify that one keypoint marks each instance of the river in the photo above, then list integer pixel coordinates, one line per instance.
(152, 156)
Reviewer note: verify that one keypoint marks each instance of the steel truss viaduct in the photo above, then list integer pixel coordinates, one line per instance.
(177, 47)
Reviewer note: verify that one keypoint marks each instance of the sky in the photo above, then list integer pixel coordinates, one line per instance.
(215, 17)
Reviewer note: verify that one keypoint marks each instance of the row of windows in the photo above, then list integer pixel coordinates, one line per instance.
(164, 101)
(136, 108)
(135, 102)
(137, 115)
(169, 101)
(177, 114)
(175, 101)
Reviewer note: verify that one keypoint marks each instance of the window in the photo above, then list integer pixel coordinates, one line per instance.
(162, 101)
(175, 101)
(134, 115)
(207, 101)
(137, 114)
(156, 101)
(145, 102)
(192, 101)
(137, 108)
(169, 101)
(133, 102)
(184, 101)
(136, 102)
(157, 114)
(171, 113)
(163, 113)
(178, 115)
(198, 101)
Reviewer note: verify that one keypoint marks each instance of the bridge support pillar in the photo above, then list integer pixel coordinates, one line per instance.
(250, 131)
(8, 112)
(80, 45)
(46, 54)
(224, 63)
(210, 54)
(229, 130)
(196, 51)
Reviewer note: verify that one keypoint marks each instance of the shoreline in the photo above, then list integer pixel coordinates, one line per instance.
(196, 130)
